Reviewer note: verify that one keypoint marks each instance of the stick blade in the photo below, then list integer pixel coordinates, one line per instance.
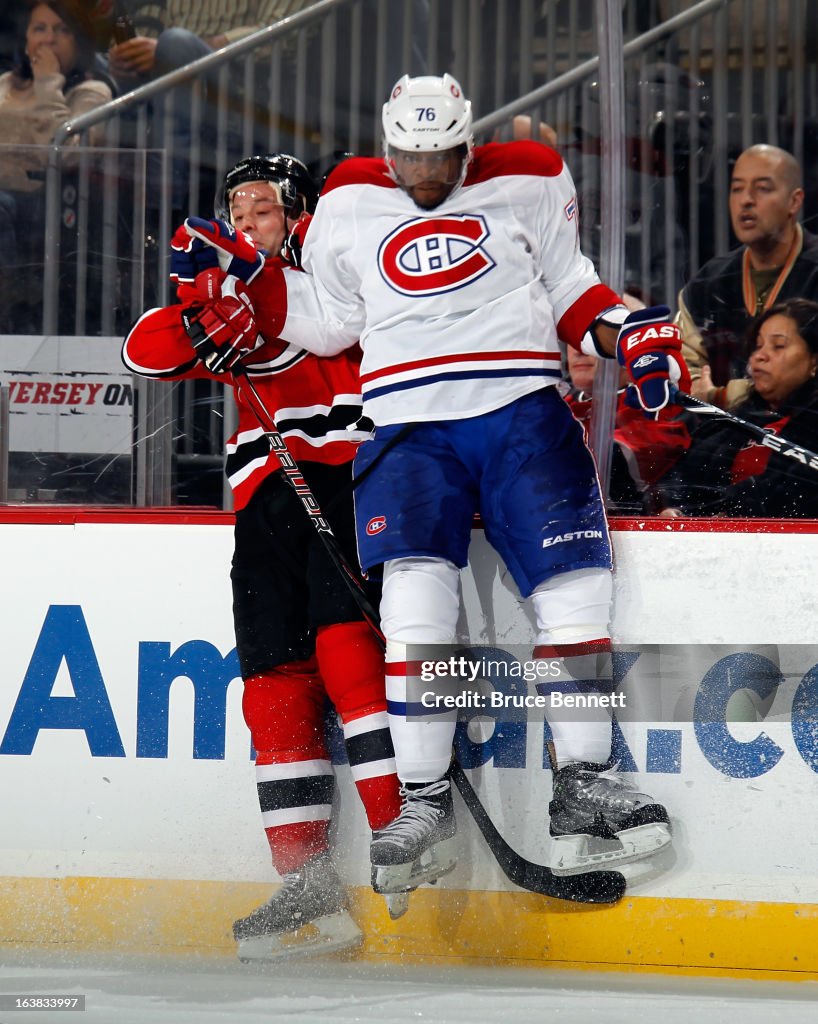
(600, 887)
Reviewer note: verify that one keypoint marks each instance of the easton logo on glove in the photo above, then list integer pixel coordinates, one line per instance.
(643, 362)
(650, 348)
(667, 332)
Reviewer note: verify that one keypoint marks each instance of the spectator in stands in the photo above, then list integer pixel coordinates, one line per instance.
(171, 35)
(644, 449)
(776, 260)
(181, 31)
(52, 81)
(725, 472)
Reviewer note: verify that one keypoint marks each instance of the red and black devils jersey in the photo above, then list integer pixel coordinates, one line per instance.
(315, 402)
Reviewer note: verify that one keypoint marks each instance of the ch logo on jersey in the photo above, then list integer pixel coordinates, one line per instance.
(432, 256)
(376, 525)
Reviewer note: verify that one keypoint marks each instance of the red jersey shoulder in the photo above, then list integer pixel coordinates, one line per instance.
(359, 170)
(526, 157)
(160, 320)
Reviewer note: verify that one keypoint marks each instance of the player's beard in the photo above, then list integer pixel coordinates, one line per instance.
(430, 194)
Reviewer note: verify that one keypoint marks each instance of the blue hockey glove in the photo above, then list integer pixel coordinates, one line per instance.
(650, 348)
(189, 257)
(235, 251)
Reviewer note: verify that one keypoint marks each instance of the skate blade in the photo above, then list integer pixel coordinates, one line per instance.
(432, 864)
(574, 855)
(335, 933)
(397, 903)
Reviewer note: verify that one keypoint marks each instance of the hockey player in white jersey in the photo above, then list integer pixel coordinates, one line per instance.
(460, 271)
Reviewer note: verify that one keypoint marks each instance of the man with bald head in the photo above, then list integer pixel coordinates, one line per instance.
(776, 260)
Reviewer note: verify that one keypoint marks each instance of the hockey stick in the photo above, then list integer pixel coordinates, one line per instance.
(295, 478)
(593, 887)
(765, 437)
(292, 473)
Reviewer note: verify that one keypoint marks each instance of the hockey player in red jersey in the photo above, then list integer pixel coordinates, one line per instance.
(460, 271)
(299, 633)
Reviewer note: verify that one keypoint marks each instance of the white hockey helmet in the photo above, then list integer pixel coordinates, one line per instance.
(425, 116)
(427, 113)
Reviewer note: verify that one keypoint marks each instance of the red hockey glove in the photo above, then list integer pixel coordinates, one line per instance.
(650, 348)
(206, 288)
(223, 331)
(235, 251)
(294, 242)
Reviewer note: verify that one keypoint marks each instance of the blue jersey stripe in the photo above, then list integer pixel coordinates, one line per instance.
(455, 375)
(414, 709)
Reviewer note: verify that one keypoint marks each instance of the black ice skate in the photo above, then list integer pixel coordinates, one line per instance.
(598, 820)
(418, 847)
(307, 916)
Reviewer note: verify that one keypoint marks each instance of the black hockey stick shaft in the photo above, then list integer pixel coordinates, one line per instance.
(592, 887)
(765, 437)
(295, 478)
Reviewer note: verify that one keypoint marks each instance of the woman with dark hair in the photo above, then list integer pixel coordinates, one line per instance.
(51, 82)
(725, 472)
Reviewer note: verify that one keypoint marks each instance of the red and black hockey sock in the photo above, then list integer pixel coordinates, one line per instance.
(284, 710)
(351, 664)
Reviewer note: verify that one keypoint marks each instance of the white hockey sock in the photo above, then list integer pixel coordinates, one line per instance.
(572, 612)
(423, 747)
(420, 605)
(585, 738)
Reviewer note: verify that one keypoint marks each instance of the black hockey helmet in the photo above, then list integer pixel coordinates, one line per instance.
(299, 192)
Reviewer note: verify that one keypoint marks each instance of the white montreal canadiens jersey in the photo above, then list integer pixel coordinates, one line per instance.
(458, 309)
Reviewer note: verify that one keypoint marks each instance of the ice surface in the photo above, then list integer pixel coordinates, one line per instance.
(122, 990)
